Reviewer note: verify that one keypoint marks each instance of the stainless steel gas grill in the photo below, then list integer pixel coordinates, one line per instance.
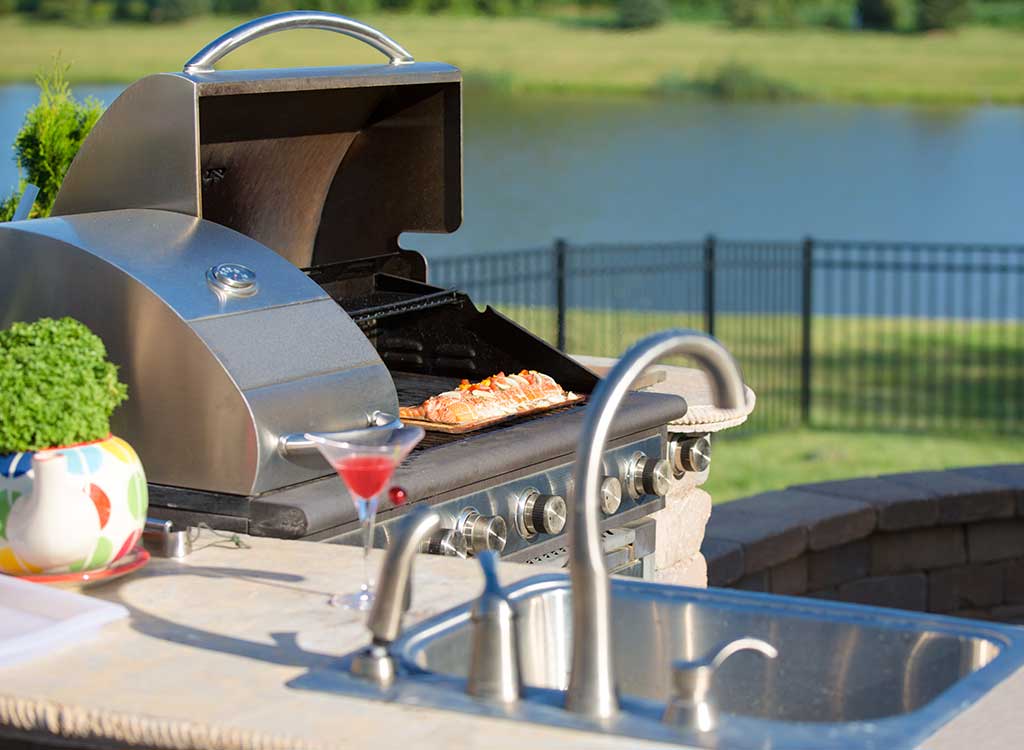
(233, 238)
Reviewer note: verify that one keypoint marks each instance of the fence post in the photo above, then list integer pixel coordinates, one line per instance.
(807, 268)
(709, 284)
(560, 251)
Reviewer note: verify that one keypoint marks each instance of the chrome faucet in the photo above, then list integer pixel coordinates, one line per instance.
(691, 705)
(375, 662)
(592, 678)
(494, 672)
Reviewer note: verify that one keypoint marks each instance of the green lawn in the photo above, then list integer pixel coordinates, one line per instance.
(910, 374)
(971, 65)
(748, 465)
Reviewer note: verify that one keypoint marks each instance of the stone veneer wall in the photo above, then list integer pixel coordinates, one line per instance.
(950, 542)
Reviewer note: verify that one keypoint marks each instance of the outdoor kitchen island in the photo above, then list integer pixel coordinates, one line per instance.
(217, 646)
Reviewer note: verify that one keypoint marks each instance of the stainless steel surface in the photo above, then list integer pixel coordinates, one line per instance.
(166, 539)
(232, 279)
(537, 513)
(846, 678)
(385, 620)
(295, 159)
(592, 688)
(378, 423)
(482, 533)
(504, 498)
(375, 665)
(189, 359)
(25, 202)
(611, 495)
(204, 60)
(689, 453)
(691, 704)
(494, 652)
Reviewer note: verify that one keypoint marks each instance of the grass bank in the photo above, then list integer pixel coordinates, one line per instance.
(771, 461)
(969, 66)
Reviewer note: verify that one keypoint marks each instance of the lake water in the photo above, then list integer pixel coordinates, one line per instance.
(643, 169)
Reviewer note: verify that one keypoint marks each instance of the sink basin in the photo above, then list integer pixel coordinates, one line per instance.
(846, 676)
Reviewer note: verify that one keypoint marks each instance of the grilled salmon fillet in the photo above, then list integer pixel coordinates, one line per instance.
(500, 395)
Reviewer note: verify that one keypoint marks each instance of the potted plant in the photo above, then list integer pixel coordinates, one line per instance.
(72, 496)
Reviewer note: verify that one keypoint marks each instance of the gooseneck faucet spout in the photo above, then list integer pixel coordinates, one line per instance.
(592, 679)
(375, 662)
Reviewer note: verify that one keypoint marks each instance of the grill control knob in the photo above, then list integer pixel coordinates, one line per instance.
(537, 513)
(611, 495)
(447, 542)
(689, 454)
(647, 476)
(482, 533)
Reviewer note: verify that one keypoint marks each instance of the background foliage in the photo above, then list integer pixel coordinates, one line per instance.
(57, 386)
(888, 15)
(49, 139)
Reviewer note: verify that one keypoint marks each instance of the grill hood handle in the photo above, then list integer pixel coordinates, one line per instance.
(296, 444)
(204, 60)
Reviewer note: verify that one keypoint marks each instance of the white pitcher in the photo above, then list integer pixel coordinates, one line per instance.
(56, 525)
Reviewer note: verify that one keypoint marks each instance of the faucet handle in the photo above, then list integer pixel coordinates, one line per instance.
(691, 683)
(494, 657)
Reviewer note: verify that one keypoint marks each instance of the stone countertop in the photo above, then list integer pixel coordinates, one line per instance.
(206, 658)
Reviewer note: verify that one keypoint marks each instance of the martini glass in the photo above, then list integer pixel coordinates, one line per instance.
(366, 469)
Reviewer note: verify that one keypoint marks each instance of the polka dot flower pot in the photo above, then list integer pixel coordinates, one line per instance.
(100, 485)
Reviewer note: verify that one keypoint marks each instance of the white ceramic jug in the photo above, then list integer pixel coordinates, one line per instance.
(56, 525)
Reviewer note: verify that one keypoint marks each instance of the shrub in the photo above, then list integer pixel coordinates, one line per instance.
(887, 15)
(736, 81)
(941, 14)
(58, 386)
(760, 13)
(50, 137)
(641, 14)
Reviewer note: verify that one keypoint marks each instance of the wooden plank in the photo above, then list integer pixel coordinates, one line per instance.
(458, 429)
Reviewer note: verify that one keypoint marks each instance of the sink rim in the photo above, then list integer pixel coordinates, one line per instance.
(903, 730)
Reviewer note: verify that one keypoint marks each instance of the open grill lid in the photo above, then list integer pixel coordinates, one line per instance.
(319, 164)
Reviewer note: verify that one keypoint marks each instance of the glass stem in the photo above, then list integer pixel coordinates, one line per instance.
(368, 524)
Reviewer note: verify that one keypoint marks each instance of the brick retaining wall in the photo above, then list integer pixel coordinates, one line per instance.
(950, 542)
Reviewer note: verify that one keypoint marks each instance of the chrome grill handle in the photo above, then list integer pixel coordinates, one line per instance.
(204, 60)
(297, 444)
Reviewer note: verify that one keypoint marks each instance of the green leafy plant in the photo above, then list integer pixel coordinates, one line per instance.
(57, 386)
(53, 131)
(641, 14)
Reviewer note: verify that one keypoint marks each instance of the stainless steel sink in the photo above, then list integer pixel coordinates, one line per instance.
(836, 663)
(846, 676)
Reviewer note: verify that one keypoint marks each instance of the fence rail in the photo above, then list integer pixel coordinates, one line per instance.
(836, 334)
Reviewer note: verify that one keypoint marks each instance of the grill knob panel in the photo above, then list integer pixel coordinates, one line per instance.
(647, 476)
(482, 533)
(611, 495)
(689, 454)
(537, 513)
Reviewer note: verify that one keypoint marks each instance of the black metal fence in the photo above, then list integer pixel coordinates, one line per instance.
(851, 335)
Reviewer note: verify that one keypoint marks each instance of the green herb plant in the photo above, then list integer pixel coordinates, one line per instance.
(50, 137)
(57, 386)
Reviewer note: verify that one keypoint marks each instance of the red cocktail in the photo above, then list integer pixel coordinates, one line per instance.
(366, 470)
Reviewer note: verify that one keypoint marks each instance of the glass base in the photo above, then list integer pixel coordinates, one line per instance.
(360, 601)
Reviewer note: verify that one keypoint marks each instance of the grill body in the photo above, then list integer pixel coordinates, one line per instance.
(299, 183)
